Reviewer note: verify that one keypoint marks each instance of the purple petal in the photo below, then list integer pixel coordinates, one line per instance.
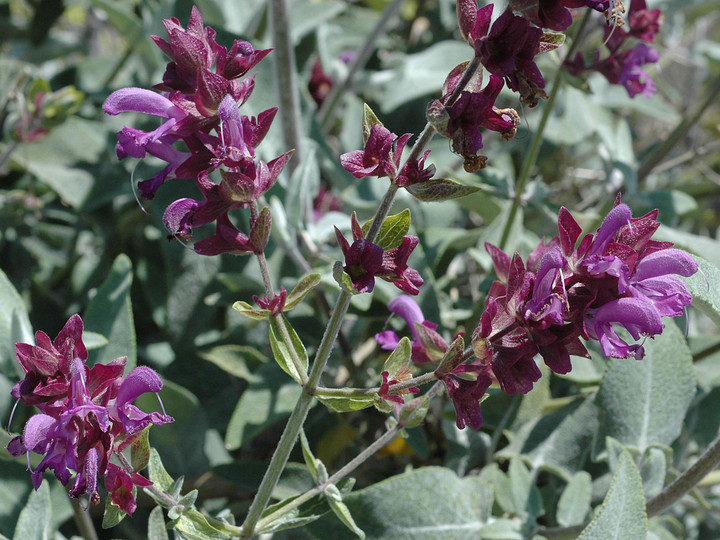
(408, 309)
(139, 381)
(387, 340)
(665, 261)
(616, 218)
(140, 100)
(39, 432)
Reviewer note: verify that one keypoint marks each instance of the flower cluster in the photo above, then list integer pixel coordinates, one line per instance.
(86, 414)
(623, 64)
(617, 277)
(466, 383)
(364, 261)
(203, 87)
(381, 160)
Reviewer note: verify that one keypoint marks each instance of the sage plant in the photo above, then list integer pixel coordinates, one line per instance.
(610, 292)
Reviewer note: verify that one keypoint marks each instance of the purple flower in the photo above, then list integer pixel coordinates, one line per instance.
(466, 393)
(617, 277)
(47, 365)
(474, 109)
(120, 483)
(633, 78)
(378, 157)
(364, 261)
(408, 309)
(88, 416)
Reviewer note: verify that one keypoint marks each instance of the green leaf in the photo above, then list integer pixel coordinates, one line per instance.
(304, 286)
(14, 325)
(574, 504)
(310, 460)
(343, 279)
(413, 413)
(156, 525)
(281, 352)
(304, 183)
(369, 120)
(343, 404)
(519, 496)
(35, 518)
(194, 526)
(425, 504)
(705, 288)
(393, 229)
(140, 451)
(622, 514)
(251, 311)
(334, 498)
(399, 358)
(440, 189)
(559, 441)
(550, 41)
(263, 403)
(110, 314)
(234, 360)
(643, 403)
(112, 514)
(157, 473)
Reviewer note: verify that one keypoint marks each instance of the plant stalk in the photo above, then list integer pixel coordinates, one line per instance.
(536, 142)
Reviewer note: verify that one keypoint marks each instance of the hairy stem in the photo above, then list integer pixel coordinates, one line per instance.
(297, 417)
(286, 78)
(339, 475)
(536, 142)
(83, 521)
(362, 392)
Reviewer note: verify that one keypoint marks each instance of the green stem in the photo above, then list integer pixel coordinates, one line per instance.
(362, 392)
(339, 475)
(297, 417)
(285, 72)
(83, 520)
(337, 90)
(705, 464)
(661, 151)
(536, 142)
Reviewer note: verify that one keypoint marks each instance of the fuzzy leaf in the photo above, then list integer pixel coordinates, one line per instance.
(705, 288)
(574, 503)
(112, 515)
(140, 451)
(393, 229)
(283, 355)
(343, 279)
(622, 514)
(440, 189)
(234, 359)
(193, 526)
(304, 286)
(156, 525)
(399, 358)
(157, 473)
(413, 413)
(346, 403)
(550, 41)
(634, 399)
(250, 311)
(334, 498)
(369, 120)
(35, 518)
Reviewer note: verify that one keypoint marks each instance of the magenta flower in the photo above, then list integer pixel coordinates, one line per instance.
(364, 261)
(617, 277)
(47, 364)
(466, 393)
(87, 417)
(408, 309)
(120, 483)
(378, 158)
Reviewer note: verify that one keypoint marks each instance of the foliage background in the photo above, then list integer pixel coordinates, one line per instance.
(73, 239)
